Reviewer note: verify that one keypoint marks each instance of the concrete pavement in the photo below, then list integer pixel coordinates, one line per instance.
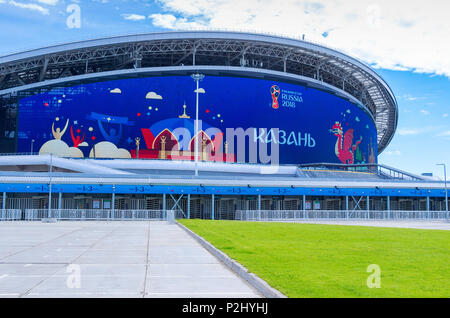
(110, 259)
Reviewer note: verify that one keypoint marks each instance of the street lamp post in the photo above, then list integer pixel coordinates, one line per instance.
(197, 78)
(445, 186)
(31, 150)
(50, 187)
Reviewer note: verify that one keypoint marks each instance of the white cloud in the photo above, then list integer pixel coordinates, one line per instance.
(408, 132)
(133, 17)
(169, 21)
(48, 2)
(153, 95)
(200, 90)
(425, 112)
(400, 35)
(29, 6)
(115, 91)
(444, 134)
(445, 115)
(393, 153)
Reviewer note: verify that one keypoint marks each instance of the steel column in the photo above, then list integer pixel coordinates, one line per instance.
(113, 203)
(50, 188)
(4, 206)
(428, 207)
(259, 206)
(59, 204)
(388, 206)
(188, 206)
(304, 206)
(367, 205)
(346, 206)
(164, 202)
(212, 206)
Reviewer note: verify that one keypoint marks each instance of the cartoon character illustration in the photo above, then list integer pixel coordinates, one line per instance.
(113, 135)
(344, 148)
(76, 140)
(57, 134)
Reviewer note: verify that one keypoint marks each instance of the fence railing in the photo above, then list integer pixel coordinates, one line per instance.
(10, 214)
(286, 215)
(84, 214)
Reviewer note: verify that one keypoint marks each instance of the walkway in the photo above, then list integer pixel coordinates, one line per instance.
(113, 259)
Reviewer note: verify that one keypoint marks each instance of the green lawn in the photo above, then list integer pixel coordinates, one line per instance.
(310, 260)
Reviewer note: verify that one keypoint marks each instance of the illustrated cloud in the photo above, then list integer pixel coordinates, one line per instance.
(83, 144)
(153, 95)
(200, 91)
(115, 91)
(59, 148)
(106, 149)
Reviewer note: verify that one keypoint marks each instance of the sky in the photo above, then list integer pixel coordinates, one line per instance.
(406, 41)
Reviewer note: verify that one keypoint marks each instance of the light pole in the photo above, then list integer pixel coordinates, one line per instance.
(197, 78)
(31, 150)
(445, 186)
(50, 187)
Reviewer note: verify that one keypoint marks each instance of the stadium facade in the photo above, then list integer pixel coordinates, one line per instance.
(284, 124)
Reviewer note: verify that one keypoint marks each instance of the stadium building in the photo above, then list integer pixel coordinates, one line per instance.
(107, 128)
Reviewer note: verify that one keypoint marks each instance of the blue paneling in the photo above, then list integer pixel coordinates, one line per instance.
(158, 189)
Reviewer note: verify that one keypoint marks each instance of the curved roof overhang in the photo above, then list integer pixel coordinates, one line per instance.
(264, 53)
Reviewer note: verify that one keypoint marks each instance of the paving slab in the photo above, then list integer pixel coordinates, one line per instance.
(110, 259)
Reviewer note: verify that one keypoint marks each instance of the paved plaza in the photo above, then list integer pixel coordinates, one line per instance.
(110, 259)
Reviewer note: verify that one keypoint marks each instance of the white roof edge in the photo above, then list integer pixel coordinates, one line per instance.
(69, 164)
(194, 34)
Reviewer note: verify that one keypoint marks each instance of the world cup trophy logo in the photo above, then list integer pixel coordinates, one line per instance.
(275, 91)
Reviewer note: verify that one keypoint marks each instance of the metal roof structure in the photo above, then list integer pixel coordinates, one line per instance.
(217, 52)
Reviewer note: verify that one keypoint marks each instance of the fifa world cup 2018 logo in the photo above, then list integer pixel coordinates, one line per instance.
(275, 91)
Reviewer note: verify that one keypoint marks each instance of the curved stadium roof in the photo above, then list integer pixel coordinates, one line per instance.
(220, 51)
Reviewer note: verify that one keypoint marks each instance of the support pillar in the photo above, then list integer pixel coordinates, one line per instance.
(113, 204)
(259, 206)
(304, 206)
(59, 204)
(346, 206)
(164, 202)
(367, 205)
(4, 206)
(212, 206)
(388, 206)
(428, 207)
(188, 206)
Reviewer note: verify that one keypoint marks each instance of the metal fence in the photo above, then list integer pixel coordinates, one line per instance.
(292, 215)
(85, 215)
(10, 215)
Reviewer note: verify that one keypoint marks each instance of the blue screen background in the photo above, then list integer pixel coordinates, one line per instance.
(228, 102)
